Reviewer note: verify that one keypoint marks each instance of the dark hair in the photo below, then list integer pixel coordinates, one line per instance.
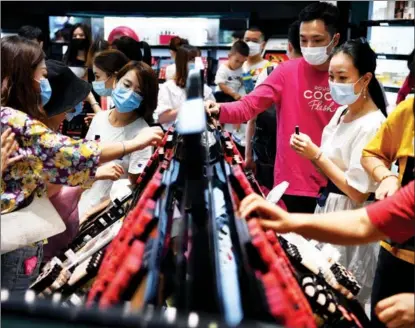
(132, 49)
(96, 47)
(111, 61)
(149, 86)
(177, 42)
(257, 29)
(185, 54)
(294, 36)
(72, 52)
(238, 35)
(31, 33)
(19, 59)
(324, 11)
(364, 59)
(241, 48)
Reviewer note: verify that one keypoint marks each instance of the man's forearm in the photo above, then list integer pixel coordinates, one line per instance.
(248, 107)
(341, 228)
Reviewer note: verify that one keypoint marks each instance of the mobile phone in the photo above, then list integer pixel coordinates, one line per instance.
(297, 129)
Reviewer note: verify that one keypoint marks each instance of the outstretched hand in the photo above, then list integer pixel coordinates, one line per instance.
(212, 108)
(110, 171)
(150, 136)
(271, 216)
(397, 311)
(8, 146)
(304, 146)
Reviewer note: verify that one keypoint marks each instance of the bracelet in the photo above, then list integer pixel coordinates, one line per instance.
(123, 149)
(317, 157)
(373, 171)
(387, 176)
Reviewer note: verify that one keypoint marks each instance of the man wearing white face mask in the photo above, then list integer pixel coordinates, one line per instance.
(255, 40)
(251, 68)
(299, 88)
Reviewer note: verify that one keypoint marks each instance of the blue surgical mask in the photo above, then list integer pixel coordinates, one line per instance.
(100, 89)
(71, 115)
(343, 93)
(45, 91)
(125, 100)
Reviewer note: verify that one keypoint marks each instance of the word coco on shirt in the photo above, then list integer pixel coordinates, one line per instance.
(318, 96)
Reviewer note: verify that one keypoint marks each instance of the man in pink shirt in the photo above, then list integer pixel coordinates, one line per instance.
(300, 90)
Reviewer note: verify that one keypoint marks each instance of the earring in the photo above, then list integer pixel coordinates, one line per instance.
(365, 94)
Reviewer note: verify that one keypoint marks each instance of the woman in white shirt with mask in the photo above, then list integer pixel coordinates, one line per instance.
(173, 92)
(354, 86)
(105, 66)
(135, 99)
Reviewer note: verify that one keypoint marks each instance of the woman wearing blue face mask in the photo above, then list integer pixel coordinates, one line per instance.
(105, 67)
(45, 157)
(134, 94)
(173, 93)
(353, 85)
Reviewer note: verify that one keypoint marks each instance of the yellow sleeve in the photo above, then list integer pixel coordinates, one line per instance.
(385, 144)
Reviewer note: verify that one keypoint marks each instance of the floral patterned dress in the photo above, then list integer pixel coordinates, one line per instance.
(48, 157)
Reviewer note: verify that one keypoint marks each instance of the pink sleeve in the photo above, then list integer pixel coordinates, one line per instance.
(395, 216)
(258, 101)
(405, 89)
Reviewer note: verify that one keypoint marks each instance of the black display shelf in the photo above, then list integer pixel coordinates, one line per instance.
(33, 312)
(392, 56)
(391, 89)
(389, 22)
(204, 47)
(280, 51)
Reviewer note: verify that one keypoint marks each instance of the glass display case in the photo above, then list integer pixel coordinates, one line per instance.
(385, 10)
(391, 73)
(390, 33)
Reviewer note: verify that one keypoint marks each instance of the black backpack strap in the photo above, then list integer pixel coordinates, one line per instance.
(270, 69)
(342, 114)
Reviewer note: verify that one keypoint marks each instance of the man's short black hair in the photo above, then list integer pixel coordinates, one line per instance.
(238, 35)
(257, 29)
(324, 11)
(241, 48)
(294, 36)
(31, 33)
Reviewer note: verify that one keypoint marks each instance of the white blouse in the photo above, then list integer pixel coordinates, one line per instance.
(170, 72)
(343, 143)
(172, 97)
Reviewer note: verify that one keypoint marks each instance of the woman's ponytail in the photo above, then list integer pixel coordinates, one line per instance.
(146, 52)
(377, 94)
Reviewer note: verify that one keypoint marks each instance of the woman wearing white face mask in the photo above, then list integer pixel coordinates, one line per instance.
(135, 99)
(354, 86)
